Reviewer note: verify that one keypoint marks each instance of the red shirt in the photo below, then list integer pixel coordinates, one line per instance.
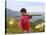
(24, 22)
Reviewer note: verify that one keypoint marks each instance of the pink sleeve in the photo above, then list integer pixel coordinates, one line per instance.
(21, 23)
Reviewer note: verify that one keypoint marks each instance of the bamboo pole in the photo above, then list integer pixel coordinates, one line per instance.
(36, 15)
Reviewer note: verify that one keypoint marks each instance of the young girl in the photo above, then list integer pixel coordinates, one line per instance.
(24, 23)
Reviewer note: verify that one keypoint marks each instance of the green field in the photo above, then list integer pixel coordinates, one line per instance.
(14, 28)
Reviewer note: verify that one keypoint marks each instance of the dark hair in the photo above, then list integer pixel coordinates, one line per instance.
(23, 10)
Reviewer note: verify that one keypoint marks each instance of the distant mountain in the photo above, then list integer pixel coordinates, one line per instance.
(16, 14)
(10, 12)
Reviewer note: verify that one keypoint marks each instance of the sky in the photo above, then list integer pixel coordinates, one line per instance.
(32, 0)
(30, 6)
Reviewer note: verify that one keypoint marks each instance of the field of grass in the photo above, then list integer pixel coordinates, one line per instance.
(12, 26)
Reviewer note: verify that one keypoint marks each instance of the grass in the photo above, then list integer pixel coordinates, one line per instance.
(15, 28)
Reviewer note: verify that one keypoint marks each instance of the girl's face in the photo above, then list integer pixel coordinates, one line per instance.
(23, 13)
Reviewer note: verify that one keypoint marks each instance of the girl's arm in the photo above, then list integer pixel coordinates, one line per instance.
(30, 16)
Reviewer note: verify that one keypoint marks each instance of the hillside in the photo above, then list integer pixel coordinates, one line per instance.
(17, 15)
